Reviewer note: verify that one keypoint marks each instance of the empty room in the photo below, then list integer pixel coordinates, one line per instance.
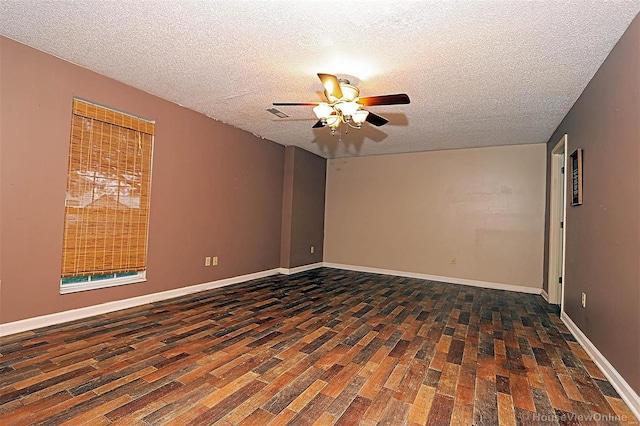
(319, 213)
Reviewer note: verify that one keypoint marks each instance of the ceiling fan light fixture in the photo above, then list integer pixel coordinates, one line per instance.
(359, 116)
(349, 93)
(347, 108)
(344, 105)
(333, 121)
(323, 111)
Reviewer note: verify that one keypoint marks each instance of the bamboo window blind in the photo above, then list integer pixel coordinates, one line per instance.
(107, 200)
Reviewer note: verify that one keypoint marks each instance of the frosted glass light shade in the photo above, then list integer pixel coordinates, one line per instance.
(349, 92)
(348, 108)
(333, 121)
(322, 111)
(359, 116)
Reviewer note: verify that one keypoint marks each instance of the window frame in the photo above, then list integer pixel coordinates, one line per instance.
(67, 288)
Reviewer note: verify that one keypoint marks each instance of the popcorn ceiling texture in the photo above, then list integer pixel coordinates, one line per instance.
(478, 73)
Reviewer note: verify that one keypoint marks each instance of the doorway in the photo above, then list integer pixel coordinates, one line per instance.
(557, 222)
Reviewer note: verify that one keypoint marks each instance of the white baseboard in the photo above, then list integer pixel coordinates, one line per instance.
(545, 295)
(302, 268)
(617, 381)
(452, 280)
(75, 314)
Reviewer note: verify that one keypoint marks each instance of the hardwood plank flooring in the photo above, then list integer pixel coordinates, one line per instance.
(317, 348)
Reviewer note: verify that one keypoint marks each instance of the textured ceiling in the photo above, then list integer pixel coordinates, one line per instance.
(479, 73)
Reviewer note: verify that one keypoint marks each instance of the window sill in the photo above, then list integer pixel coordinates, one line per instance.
(94, 285)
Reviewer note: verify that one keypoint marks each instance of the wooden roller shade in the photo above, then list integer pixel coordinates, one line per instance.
(107, 201)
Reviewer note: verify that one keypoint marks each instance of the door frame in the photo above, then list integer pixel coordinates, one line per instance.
(557, 214)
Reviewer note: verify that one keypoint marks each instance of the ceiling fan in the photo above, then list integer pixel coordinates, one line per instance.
(345, 106)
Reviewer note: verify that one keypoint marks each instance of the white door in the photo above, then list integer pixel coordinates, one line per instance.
(557, 224)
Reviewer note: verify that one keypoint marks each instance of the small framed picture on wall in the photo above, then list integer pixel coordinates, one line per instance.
(576, 177)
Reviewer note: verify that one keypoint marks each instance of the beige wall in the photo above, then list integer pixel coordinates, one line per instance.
(414, 212)
(603, 234)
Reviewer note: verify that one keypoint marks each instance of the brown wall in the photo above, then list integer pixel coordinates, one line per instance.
(414, 212)
(603, 234)
(216, 190)
(303, 208)
(287, 208)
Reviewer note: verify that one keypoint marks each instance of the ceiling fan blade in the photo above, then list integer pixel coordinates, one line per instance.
(295, 103)
(376, 120)
(318, 124)
(398, 99)
(331, 85)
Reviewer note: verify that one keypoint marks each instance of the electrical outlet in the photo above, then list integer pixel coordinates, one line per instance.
(453, 260)
(584, 300)
(313, 249)
(207, 261)
(215, 260)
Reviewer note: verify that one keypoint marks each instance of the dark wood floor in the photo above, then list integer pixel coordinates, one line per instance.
(323, 347)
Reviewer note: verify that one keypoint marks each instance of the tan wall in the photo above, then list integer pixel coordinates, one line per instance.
(216, 190)
(414, 212)
(603, 234)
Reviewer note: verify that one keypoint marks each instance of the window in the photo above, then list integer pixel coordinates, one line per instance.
(107, 200)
